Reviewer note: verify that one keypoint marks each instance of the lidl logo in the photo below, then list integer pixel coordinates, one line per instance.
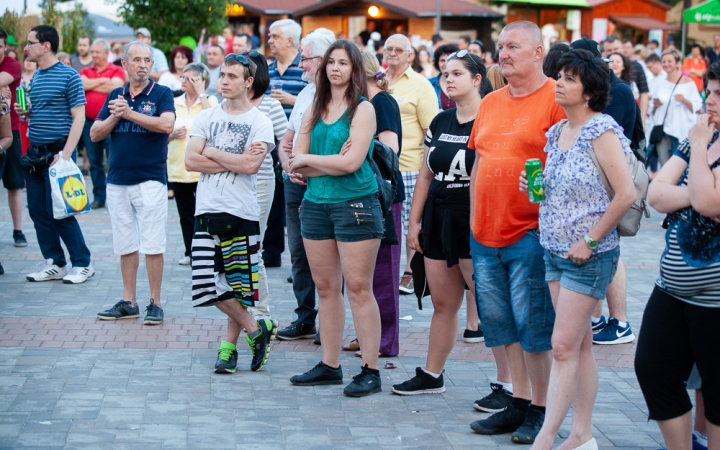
(74, 193)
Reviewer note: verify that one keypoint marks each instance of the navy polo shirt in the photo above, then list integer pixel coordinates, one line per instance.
(290, 81)
(138, 154)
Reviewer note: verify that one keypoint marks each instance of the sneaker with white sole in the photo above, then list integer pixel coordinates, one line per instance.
(598, 327)
(78, 275)
(613, 333)
(49, 271)
(185, 261)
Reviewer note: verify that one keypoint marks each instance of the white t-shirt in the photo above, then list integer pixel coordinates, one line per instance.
(302, 103)
(230, 192)
(169, 80)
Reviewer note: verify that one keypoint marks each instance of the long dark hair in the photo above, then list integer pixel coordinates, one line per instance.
(354, 91)
(261, 80)
(626, 74)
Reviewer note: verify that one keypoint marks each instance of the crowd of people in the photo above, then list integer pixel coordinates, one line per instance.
(239, 137)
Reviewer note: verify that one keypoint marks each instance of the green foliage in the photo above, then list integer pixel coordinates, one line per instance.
(50, 14)
(10, 22)
(76, 24)
(170, 20)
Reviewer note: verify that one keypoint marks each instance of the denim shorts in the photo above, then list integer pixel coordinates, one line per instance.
(351, 221)
(512, 295)
(591, 278)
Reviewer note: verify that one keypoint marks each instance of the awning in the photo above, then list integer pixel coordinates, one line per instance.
(567, 3)
(644, 23)
(707, 12)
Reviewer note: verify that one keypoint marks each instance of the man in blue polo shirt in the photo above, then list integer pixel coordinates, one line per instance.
(139, 117)
(56, 112)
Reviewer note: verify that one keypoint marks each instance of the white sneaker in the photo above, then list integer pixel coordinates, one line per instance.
(78, 275)
(185, 261)
(49, 271)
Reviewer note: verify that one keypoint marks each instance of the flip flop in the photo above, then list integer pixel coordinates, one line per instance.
(352, 346)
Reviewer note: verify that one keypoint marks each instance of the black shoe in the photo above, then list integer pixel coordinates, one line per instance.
(153, 314)
(421, 383)
(505, 421)
(97, 204)
(84, 171)
(473, 337)
(316, 339)
(2, 270)
(259, 342)
(121, 310)
(297, 331)
(321, 374)
(365, 383)
(290, 279)
(227, 358)
(19, 238)
(272, 262)
(496, 401)
(530, 428)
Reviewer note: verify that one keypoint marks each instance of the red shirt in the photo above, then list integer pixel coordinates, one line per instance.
(96, 100)
(13, 68)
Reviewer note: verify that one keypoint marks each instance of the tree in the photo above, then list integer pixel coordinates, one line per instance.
(170, 20)
(50, 14)
(76, 23)
(10, 22)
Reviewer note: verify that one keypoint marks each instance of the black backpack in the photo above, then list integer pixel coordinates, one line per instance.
(386, 166)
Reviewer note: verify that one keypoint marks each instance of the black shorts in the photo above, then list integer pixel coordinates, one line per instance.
(459, 238)
(12, 174)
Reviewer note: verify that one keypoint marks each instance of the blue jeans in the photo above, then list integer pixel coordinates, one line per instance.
(96, 156)
(49, 231)
(303, 285)
(511, 293)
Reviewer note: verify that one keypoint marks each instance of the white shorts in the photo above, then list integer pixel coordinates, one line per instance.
(138, 214)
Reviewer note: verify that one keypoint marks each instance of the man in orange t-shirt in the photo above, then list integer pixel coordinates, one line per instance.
(513, 298)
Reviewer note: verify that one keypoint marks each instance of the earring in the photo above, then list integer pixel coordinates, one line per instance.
(586, 104)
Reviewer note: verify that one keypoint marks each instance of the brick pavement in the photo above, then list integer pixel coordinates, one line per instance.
(70, 381)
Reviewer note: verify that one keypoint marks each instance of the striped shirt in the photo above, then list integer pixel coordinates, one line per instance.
(55, 91)
(274, 111)
(699, 286)
(290, 81)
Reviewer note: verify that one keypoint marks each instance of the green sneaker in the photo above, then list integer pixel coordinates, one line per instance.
(227, 358)
(259, 342)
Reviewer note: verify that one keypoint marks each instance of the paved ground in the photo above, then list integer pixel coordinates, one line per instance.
(70, 381)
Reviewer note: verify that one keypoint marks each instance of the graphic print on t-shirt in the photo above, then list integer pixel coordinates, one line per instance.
(448, 156)
(229, 137)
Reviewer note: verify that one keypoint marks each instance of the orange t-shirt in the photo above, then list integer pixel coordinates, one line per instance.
(508, 131)
(691, 63)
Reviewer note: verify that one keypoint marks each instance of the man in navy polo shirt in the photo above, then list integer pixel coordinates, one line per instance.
(139, 117)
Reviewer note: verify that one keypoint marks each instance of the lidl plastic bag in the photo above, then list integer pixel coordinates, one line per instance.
(69, 196)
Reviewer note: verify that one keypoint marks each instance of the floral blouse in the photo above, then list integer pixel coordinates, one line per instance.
(575, 198)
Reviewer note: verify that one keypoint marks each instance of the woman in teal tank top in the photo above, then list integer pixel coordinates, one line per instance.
(340, 217)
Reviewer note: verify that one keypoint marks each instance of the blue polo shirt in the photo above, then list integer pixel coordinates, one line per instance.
(138, 154)
(55, 91)
(290, 81)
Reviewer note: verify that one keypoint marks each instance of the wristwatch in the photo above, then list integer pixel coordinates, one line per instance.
(591, 243)
(202, 95)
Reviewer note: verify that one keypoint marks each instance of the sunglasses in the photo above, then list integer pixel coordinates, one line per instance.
(239, 58)
(251, 53)
(461, 55)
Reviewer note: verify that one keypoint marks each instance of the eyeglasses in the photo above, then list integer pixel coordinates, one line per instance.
(239, 58)
(31, 43)
(461, 55)
(397, 50)
(302, 60)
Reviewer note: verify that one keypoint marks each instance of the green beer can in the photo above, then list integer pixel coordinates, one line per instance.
(536, 183)
(20, 98)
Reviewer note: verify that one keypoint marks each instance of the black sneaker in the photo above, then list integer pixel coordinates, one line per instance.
(530, 428)
(2, 270)
(473, 337)
(259, 342)
(121, 310)
(496, 401)
(505, 421)
(316, 339)
(153, 314)
(227, 358)
(19, 238)
(321, 374)
(421, 383)
(297, 331)
(365, 383)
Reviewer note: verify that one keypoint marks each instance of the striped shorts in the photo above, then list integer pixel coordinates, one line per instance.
(225, 267)
(409, 178)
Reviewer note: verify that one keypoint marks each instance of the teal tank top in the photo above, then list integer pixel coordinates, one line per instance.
(328, 139)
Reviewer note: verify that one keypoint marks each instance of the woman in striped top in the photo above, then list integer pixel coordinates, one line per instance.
(680, 324)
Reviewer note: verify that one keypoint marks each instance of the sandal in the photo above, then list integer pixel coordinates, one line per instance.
(352, 346)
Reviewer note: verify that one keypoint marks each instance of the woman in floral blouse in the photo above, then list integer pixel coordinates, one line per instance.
(577, 231)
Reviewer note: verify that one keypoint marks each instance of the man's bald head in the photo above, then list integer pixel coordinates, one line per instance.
(395, 52)
(529, 30)
(399, 40)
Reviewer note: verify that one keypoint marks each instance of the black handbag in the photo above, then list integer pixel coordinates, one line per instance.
(219, 223)
(658, 132)
(385, 164)
(33, 165)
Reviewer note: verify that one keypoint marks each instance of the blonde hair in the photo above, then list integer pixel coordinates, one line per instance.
(372, 68)
(675, 52)
(497, 81)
